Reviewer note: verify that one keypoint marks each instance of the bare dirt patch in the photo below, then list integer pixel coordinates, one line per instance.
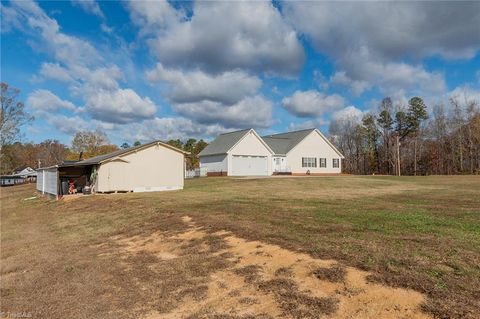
(263, 280)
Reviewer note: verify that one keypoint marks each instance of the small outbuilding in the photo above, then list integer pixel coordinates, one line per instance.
(155, 166)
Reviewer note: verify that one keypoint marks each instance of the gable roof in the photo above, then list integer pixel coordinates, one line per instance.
(102, 158)
(223, 143)
(282, 143)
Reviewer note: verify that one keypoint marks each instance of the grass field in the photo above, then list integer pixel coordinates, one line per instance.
(90, 257)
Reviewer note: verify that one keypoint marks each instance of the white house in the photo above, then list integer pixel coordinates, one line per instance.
(244, 153)
(304, 152)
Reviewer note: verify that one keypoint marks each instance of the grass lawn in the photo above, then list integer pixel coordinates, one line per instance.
(60, 259)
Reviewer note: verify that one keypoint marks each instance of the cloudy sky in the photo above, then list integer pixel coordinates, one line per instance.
(161, 70)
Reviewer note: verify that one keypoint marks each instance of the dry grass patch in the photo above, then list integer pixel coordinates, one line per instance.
(336, 273)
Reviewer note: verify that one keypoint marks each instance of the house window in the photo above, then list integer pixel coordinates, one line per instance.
(309, 162)
(323, 162)
(336, 163)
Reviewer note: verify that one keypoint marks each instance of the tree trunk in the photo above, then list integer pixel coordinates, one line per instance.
(415, 156)
(399, 171)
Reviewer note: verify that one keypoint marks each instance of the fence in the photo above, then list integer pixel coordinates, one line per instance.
(198, 172)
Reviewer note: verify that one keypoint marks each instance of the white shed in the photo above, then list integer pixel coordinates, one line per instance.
(155, 166)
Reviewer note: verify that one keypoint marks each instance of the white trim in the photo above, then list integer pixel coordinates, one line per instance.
(258, 137)
(323, 137)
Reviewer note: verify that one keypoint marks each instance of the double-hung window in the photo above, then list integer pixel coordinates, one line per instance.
(309, 162)
(323, 162)
(336, 163)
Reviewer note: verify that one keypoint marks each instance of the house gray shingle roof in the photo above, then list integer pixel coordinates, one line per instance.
(282, 143)
(223, 143)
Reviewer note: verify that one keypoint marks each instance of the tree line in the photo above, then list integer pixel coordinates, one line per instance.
(406, 140)
(85, 144)
(393, 140)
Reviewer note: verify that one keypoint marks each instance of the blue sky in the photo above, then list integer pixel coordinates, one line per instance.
(160, 70)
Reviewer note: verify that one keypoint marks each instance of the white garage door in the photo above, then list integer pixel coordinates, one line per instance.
(249, 165)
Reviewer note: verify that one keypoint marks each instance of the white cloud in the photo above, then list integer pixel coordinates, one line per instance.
(362, 71)
(80, 76)
(253, 111)
(345, 120)
(306, 124)
(390, 29)
(371, 43)
(229, 99)
(154, 16)
(221, 36)
(357, 86)
(228, 87)
(465, 95)
(66, 49)
(67, 124)
(45, 100)
(55, 71)
(312, 103)
(349, 112)
(78, 63)
(119, 106)
(89, 6)
(101, 77)
(170, 128)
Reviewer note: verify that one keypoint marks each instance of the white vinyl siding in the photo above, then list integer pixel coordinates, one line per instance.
(154, 168)
(47, 181)
(312, 146)
(214, 163)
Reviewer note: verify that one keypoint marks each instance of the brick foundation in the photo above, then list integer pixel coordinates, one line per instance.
(317, 174)
(210, 174)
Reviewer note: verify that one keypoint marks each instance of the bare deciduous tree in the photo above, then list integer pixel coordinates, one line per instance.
(12, 115)
(405, 141)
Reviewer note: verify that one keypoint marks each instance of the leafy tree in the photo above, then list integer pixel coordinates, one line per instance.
(190, 145)
(12, 115)
(87, 144)
(417, 114)
(46, 153)
(125, 145)
(176, 143)
(199, 147)
(137, 143)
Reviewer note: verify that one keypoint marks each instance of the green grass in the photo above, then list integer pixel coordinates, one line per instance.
(416, 232)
